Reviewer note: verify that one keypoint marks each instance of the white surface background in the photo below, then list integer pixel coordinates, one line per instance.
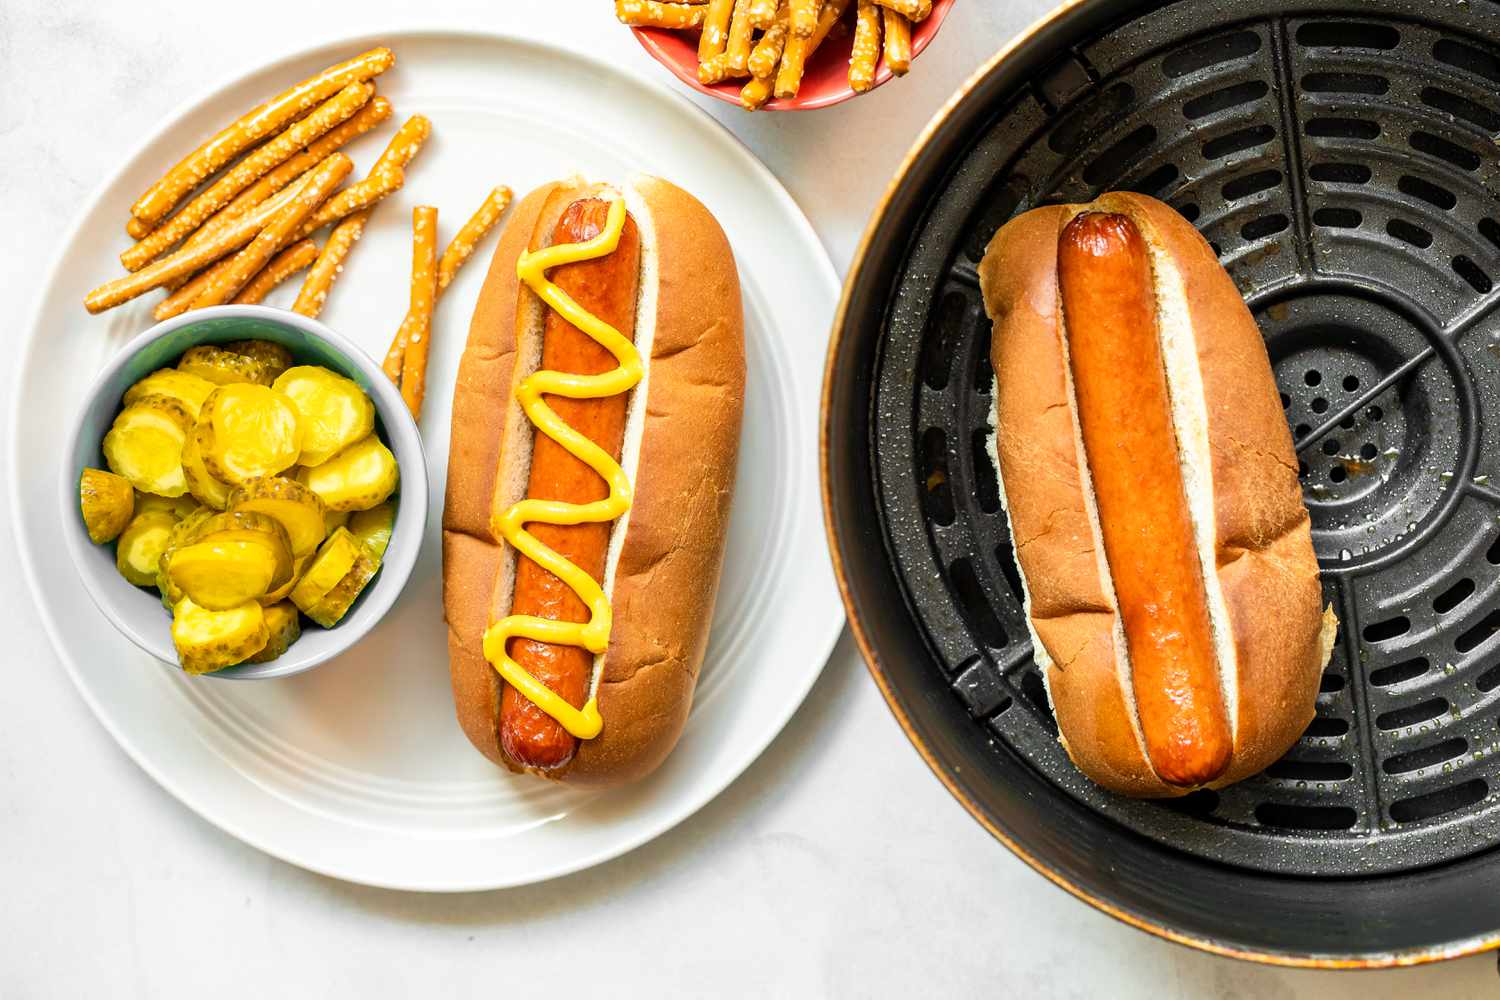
(836, 866)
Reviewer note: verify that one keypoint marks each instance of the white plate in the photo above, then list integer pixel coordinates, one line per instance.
(357, 769)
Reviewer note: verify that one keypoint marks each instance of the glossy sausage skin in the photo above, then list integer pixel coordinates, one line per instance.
(607, 288)
(1124, 412)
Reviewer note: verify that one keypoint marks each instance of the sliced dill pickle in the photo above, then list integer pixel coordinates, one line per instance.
(107, 502)
(139, 549)
(333, 561)
(212, 640)
(294, 505)
(285, 627)
(222, 367)
(335, 411)
(362, 476)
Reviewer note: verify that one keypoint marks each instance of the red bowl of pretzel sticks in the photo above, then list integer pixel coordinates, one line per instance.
(791, 55)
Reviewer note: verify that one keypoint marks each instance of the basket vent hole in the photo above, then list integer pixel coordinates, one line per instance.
(1489, 680)
(1340, 173)
(1490, 230)
(1342, 128)
(1384, 631)
(1427, 191)
(1210, 52)
(1319, 405)
(937, 346)
(1156, 182)
(1190, 212)
(1222, 100)
(1036, 693)
(1259, 229)
(985, 483)
(1311, 770)
(1337, 218)
(1462, 107)
(1286, 401)
(1303, 430)
(1302, 469)
(1345, 83)
(1331, 684)
(1351, 383)
(1325, 727)
(1305, 817)
(1348, 424)
(1450, 152)
(1348, 34)
(1338, 474)
(976, 606)
(1445, 800)
(1236, 142)
(1375, 414)
(1468, 58)
(1006, 558)
(1107, 166)
(1082, 124)
(1368, 451)
(1488, 626)
(1399, 673)
(1200, 804)
(1408, 233)
(937, 493)
(1472, 273)
(1243, 187)
(999, 205)
(1404, 763)
(1412, 715)
(1331, 446)
(1453, 596)
(1313, 377)
(1218, 250)
(1493, 552)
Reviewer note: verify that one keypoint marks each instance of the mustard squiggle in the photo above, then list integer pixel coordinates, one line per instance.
(531, 268)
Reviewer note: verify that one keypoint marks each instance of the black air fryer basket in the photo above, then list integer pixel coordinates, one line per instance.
(1342, 158)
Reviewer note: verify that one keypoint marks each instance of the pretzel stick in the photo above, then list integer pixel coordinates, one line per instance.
(279, 232)
(916, 10)
(181, 300)
(281, 267)
(356, 197)
(897, 42)
(715, 26)
(423, 292)
(762, 14)
(404, 145)
(188, 260)
(737, 49)
(330, 264)
(804, 17)
(255, 125)
(330, 113)
(369, 116)
(652, 14)
(767, 51)
(866, 47)
(755, 93)
(459, 249)
(136, 229)
(794, 56)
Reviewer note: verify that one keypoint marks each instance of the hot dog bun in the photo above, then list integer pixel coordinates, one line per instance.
(1269, 634)
(681, 443)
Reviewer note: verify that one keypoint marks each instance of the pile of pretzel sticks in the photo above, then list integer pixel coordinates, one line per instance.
(249, 200)
(768, 42)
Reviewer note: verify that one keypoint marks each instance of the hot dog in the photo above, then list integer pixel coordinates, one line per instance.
(583, 670)
(1150, 484)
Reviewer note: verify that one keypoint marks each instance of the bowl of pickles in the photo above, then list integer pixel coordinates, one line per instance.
(248, 492)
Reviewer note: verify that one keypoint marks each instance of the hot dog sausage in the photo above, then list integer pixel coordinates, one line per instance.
(1124, 413)
(607, 288)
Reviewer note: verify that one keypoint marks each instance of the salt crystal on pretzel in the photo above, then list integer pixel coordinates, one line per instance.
(866, 47)
(330, 264)
(804, 17)
(715, 30)
(281, 267)
(766, 54)
(329, 114)
(261, 121)
(763, 13)
(423, 295)
(897, 42)
(404, 145)
(280, 231)
(653, 14)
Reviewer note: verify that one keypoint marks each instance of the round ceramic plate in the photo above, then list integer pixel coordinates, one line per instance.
(358, 769)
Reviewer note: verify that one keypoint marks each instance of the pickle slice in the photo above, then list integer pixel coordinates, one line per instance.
(333, 561)
(283, 592)
(285, 626)
(178, 507)
(335, 411)
(222, 573)
(140, 546)
(249, 526)
(222, 367)
(334, 519)
(297, 508)
(180, 535)
(361, 476)
(272, 356)
(212, 640)
(328, 611)
(200, 482)
(373, 527)
(107, 502)
(145, 445)
(248, 431)
(188, 389)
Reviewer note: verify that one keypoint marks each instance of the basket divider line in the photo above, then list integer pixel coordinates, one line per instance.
(1286, 100)
(1474, 316)
(1374, 806)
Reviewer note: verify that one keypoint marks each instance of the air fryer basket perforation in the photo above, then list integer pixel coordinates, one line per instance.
(1343, 164)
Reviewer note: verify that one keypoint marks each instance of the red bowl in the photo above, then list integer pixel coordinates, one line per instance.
(825, 81)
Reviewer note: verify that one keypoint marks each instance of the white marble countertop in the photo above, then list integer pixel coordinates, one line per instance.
(836, 866)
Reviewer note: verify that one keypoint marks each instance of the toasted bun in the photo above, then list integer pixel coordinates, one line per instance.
(1272, 640)
(681, 443)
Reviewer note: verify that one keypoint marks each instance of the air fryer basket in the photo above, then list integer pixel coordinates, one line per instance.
(1341, 157)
